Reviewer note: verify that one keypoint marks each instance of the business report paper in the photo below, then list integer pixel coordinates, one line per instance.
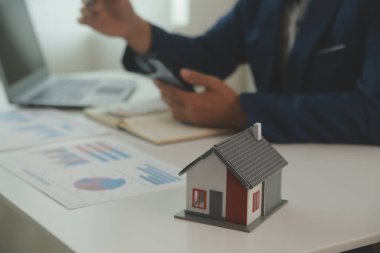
(90, 171)
(27, 128)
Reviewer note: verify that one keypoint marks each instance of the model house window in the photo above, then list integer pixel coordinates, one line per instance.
(199, 198)
(256, 201)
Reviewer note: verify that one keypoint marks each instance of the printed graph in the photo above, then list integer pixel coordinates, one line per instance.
(27, 128)
(42, 131)
(89, 171)
(13, 117)
(156, 176)
(99, 184)
(64, 157)
(103, 152)
(67, 127)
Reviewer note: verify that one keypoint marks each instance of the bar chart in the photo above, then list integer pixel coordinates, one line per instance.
(156, 176)
(13, 117)
(102, 152)
(42, 131)
(26, 128)
(64, 157)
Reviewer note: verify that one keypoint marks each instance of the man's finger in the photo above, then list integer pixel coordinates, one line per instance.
(97, 5)
(88, 15)
(182, 115)
(173, 103)
(178, 111)
(171, 91)
(87, 2)
(197, 78)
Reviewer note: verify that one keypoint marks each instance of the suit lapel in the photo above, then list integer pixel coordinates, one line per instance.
(318, 17)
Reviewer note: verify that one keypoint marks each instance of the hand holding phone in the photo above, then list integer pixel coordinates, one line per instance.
(156, 69)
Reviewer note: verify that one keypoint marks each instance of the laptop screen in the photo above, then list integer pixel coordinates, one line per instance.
(20, 54)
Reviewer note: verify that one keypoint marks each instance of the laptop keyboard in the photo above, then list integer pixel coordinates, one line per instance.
(64, 90)
(74, 90)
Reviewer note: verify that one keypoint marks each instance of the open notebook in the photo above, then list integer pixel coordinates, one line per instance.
(158, 127)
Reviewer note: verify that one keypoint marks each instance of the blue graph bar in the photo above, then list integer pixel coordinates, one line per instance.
(94, 155)
(157, 176)
(157, 171)
(151, 180)
(67, 127)
(42, 131)
(103, 152)
(13, 117)
(114, 150)
(73, 163)
(64, 157)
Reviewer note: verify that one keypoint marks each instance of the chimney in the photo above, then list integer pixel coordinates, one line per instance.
(257, 131)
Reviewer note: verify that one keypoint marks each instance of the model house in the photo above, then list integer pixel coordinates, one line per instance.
(235, 184)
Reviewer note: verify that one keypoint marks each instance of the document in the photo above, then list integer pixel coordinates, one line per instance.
(27, 128)
(90, 171)
(158, 128)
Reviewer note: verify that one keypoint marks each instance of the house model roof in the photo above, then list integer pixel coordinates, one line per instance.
(252, 160)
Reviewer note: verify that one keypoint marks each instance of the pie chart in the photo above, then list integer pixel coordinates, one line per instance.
(99, 184)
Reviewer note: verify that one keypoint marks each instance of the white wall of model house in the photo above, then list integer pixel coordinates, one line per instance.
(253, 215)
(208, 174)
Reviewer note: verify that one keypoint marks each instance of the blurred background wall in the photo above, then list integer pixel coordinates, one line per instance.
(71, 47)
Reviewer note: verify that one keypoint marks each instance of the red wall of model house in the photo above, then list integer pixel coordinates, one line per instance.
(236, 200)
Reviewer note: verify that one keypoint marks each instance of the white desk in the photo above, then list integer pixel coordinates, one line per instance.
(333, 194)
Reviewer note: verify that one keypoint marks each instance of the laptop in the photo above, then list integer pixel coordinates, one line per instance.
(25, 75)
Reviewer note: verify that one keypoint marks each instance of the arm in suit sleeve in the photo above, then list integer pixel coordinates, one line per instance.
(218, 52)
(352, 117)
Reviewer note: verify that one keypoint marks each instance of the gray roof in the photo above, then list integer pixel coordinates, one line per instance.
(250, 160)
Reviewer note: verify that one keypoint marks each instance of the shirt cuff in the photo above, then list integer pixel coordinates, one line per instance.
(158, 45)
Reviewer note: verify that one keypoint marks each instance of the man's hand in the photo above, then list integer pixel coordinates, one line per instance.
(118, 18)
(217, 106)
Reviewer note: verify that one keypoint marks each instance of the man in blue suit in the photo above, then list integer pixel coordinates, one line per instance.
(316, 65)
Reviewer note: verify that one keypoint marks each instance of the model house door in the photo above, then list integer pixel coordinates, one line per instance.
(216, 204)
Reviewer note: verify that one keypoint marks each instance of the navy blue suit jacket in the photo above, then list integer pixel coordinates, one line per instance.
(327, 96)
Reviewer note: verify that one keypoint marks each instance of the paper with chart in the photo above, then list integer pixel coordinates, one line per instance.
(27, 128)
(91, 171)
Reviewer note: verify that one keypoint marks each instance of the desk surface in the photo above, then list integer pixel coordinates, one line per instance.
(333, 193)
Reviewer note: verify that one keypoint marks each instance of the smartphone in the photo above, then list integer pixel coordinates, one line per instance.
(156, 69)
